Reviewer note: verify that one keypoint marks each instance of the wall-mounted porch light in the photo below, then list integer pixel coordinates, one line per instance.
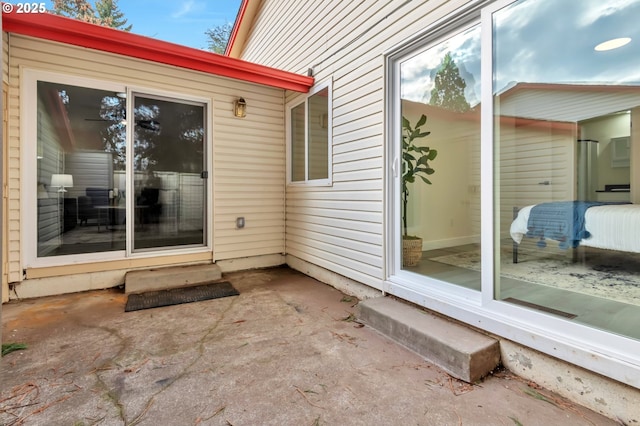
(240, 108)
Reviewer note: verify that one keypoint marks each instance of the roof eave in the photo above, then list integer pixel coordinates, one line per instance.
(236, 27)
(70, 31)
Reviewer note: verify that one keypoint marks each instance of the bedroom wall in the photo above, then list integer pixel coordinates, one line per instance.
(603, 129)
(447, 212)
(537, 164)
(635, 156)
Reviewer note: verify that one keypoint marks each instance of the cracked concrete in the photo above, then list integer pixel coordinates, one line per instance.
(284, 352)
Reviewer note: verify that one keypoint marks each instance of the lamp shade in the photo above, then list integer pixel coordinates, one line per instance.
(62, 181)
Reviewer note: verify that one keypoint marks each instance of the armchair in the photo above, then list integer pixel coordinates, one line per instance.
(86, 204)
(149, 197)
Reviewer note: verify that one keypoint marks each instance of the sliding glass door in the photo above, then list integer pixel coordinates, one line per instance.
(169, 171)
(113, 172)
(560, 234)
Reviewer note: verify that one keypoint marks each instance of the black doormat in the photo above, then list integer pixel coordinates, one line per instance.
(176, 296)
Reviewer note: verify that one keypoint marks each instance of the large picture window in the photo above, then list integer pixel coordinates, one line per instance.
(309, 134)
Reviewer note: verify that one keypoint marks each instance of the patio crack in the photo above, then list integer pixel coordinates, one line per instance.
(200, 348)
(109, 393)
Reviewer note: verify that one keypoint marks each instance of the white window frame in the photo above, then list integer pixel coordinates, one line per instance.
(289, 107)
(603, 352)
(28, 137)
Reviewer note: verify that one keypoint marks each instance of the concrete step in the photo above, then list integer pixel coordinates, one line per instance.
(170, 277)
(460, 351)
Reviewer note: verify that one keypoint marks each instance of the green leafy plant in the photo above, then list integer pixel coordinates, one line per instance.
(415, 161)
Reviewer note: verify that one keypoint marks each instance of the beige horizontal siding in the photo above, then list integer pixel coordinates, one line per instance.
(345, 42)
(4, 291)
(248, 154)
(5, 57)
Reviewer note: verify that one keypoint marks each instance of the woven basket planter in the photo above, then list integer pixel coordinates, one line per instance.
(411, 251)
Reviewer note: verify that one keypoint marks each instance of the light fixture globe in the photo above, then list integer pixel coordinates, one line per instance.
(240, 108)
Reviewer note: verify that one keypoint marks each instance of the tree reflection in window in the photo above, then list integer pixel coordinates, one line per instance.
(168, 136)
(113, 111)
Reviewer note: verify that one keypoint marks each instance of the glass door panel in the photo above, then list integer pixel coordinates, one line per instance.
(80, 170)
(567, 232)
(169, 182)
(440, 185)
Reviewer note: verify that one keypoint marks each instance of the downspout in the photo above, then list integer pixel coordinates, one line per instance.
(284, 186)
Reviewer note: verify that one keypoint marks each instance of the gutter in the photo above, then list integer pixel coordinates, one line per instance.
(70, 31)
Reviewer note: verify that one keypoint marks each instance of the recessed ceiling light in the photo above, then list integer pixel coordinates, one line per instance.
(612, 44)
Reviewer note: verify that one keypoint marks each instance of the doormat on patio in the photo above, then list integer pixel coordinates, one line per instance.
(176, 296)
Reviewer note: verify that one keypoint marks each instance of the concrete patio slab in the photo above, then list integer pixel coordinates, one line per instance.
(286, 351)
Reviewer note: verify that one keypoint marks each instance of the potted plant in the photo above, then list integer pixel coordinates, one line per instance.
(415, 164)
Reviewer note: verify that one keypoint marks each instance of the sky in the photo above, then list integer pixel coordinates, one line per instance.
(178, 21)
(543, 41)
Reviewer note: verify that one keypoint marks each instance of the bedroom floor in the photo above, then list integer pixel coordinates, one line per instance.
(594, 310)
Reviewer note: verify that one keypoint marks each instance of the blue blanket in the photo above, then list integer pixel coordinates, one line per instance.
(562, 221)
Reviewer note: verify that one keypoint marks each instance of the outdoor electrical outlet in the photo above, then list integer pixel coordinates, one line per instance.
(239, 222)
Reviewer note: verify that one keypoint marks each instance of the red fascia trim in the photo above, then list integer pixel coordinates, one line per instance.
(70, 31)
(236, 27)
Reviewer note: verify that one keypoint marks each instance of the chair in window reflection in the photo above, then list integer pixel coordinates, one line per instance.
(87, 204)
(151, 207)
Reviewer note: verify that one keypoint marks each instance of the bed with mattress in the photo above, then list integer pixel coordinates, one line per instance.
(612, 226)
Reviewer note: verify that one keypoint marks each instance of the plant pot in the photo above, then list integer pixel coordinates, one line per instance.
(411, 251)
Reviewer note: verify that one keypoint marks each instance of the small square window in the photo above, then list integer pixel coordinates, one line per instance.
(309, 138)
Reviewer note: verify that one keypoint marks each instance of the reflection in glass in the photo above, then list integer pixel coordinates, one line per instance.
(442, 213)
(80, 170)
(297, 144)
(318, 153)
(563, 132)
(169, 173)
